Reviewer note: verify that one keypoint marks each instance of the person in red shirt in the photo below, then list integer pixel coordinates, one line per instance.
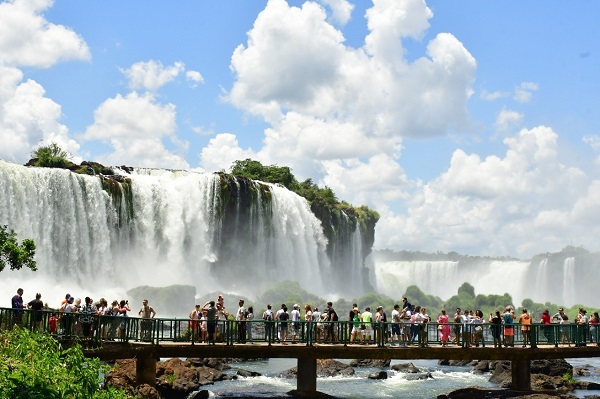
(52, 323)
(548, 333)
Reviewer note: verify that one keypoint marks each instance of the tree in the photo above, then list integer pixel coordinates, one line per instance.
(50, 156)
(14, 254)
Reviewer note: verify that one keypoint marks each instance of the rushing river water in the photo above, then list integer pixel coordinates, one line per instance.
(398, 385)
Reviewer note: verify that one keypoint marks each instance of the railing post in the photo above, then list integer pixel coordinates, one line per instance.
(533, 335)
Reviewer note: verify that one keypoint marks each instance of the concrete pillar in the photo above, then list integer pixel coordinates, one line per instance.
(145, 370)
(521, 374)
(307, 375)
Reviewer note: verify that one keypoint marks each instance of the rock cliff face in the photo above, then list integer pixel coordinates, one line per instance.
(248, 209)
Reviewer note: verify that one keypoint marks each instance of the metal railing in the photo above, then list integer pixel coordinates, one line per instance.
(95, 330)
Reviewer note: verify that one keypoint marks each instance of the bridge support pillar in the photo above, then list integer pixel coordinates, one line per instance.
(145, 370)
(307, 375)
(521, 374)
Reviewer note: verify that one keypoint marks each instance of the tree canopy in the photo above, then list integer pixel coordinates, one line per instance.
(50, 156)
(14, 254)
(314, 194)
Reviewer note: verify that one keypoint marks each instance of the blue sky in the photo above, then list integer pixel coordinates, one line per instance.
(470, 126)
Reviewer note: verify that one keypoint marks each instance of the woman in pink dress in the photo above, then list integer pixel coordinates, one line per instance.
(444, 328)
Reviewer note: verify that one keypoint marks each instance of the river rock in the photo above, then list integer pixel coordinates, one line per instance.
(482, 367)
(325, 368)
(370, 363)
(381, 375)
(148, 392)
(405, 368)
(176, 378)
(418, 376)
(446, 362)
(247, 373)
(478, 393)
(202, 394)
(545, 374)
(552, 367)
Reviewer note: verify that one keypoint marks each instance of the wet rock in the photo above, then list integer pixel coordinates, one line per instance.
(202, 394)
(370, 363)
(176, 378)
(405, 368)
(481, 367)
(552, 367)
(418, 376)
(381, 375)
(478, 393)
(587, 385)
(445, 362)
(325, 368)
(247, 373)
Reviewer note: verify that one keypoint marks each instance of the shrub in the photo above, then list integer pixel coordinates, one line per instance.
(34, 365)
(50, 156)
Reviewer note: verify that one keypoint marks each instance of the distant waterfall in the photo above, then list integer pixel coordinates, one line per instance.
(177, 229)
(569, 280)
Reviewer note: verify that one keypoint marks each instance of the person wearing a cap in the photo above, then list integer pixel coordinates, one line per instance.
(356, 320)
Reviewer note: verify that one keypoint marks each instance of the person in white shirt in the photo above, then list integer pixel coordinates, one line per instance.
(295, 322)
(241, 325)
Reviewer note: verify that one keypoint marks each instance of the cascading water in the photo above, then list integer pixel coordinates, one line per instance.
(569, 280)
(174, 229)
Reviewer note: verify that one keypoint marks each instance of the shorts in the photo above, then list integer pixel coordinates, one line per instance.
(395, 329)
(211, 326)
(509, 331)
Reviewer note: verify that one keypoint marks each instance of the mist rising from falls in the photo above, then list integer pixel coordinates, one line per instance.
(563, 280)
(175, 228)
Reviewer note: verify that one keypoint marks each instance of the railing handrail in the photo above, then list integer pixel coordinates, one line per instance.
(229, 331)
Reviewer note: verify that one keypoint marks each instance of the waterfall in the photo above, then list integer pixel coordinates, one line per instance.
(442, 278)
(569, 280)
(179, 231)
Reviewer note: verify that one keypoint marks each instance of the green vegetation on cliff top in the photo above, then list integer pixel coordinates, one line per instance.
(316, 196)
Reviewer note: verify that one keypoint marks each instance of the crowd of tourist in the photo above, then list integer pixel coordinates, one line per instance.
(76, 317)
(407, 325)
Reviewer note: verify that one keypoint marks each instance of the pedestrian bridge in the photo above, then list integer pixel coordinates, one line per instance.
(146, 340)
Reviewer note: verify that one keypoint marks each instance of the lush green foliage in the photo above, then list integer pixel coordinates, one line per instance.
(290, 293)
(50, 156)
(271, 174)
(35, 366)
(14, 254)
(321, 197)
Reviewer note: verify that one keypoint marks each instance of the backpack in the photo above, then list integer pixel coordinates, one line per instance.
(268, 315)
(384, 318)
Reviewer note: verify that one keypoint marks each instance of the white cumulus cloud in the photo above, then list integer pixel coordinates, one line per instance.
(524, 91)
(28, 39)
(341, 9)
(507, 119)
(28, 118)
(521, 203)
(136, 127)
(151, 75)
